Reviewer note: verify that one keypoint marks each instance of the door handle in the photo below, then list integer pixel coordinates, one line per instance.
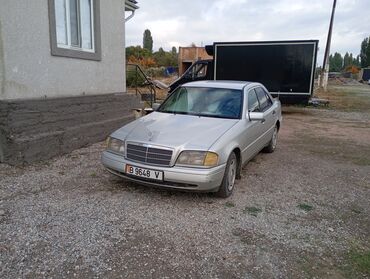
(273, 112)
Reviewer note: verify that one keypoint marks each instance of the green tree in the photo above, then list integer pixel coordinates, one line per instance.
(347, 60)
(365, 53)
(137, 52)
(368, 53)
(335, 62)
(164, 58)
(356, 61)
(148, 40)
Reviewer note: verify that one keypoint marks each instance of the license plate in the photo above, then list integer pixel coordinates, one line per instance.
(145, 173)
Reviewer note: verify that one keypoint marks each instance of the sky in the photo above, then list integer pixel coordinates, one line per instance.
(183, 22)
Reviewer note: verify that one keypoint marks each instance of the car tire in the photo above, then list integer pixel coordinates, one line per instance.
(273, 142)
(228, 181)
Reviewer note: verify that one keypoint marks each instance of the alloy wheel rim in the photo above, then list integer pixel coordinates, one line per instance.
(274, 138)
(231, 175)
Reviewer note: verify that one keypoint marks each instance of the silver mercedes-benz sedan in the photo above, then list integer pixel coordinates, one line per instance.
(199, 137)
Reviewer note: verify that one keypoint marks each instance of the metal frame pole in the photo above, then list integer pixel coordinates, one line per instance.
(325, 67)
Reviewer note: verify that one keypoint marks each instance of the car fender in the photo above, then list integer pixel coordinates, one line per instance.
(224, 151)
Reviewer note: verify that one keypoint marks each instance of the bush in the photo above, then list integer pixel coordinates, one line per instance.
(134, 79)
(156, 71)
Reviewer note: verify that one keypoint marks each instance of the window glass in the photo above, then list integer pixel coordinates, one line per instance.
(86, 24)
(74, 23)
(75, 29)
(209, 102)
(253, 104)
(265, 102)
(179, 101)
(61, 21)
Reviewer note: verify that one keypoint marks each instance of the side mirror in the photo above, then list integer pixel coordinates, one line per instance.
(256, 116)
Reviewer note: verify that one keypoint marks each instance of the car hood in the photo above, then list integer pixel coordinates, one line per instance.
(176, 130)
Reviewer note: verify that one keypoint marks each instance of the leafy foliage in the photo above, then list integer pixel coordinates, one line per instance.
(146, 59)
(164, 58)
(144, 56)
(148, 40)
(335, 62)
(347, 63)
(137, 52)
(139, 55)
(134, 79)
(365, 53)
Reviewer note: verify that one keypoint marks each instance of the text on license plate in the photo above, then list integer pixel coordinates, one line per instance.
(146, 173)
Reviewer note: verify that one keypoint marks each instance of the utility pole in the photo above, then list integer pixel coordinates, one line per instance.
(325, 67)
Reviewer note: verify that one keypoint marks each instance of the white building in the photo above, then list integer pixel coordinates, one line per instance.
(62, 75)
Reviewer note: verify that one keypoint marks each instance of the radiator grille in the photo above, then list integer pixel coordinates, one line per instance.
(150, 155)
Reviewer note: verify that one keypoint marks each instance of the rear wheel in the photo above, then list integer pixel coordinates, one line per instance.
(273, 142)
(228, 182)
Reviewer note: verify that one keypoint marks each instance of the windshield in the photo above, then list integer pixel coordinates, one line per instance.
(210, 102)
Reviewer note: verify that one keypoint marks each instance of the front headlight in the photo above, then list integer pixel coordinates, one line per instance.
(197, 158)
(116, 145)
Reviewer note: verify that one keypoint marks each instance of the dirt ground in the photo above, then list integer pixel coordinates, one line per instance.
(300, 212)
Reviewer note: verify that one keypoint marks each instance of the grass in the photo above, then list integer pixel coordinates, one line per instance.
(348, 97)
(356, 210)
(362, 161)
(252, 210)
(304, 206)
(360, 260)
(339, 149)
(229, 204)
(343, 151)
(355, 264)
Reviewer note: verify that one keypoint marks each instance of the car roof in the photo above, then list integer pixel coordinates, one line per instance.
(230, 84)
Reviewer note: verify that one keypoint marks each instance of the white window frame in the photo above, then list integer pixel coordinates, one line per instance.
(67, 50)
(80, 28)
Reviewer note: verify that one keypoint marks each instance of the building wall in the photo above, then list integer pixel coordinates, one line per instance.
(188, 55)
(38, 129)
(50, 105)
(28, 70)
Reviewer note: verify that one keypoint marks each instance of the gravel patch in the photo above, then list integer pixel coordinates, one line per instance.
(294, 214)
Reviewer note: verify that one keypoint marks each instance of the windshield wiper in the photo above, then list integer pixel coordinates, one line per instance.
(218, 116)
(174, 112)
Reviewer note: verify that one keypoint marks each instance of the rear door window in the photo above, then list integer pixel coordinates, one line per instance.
(263, 98)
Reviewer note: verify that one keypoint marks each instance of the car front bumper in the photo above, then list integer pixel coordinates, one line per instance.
(194, 179)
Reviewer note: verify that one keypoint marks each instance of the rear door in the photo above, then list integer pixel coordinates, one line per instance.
(269, 112)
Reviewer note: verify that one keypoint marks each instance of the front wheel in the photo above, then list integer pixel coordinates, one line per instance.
(227, 185)
(273, 142)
